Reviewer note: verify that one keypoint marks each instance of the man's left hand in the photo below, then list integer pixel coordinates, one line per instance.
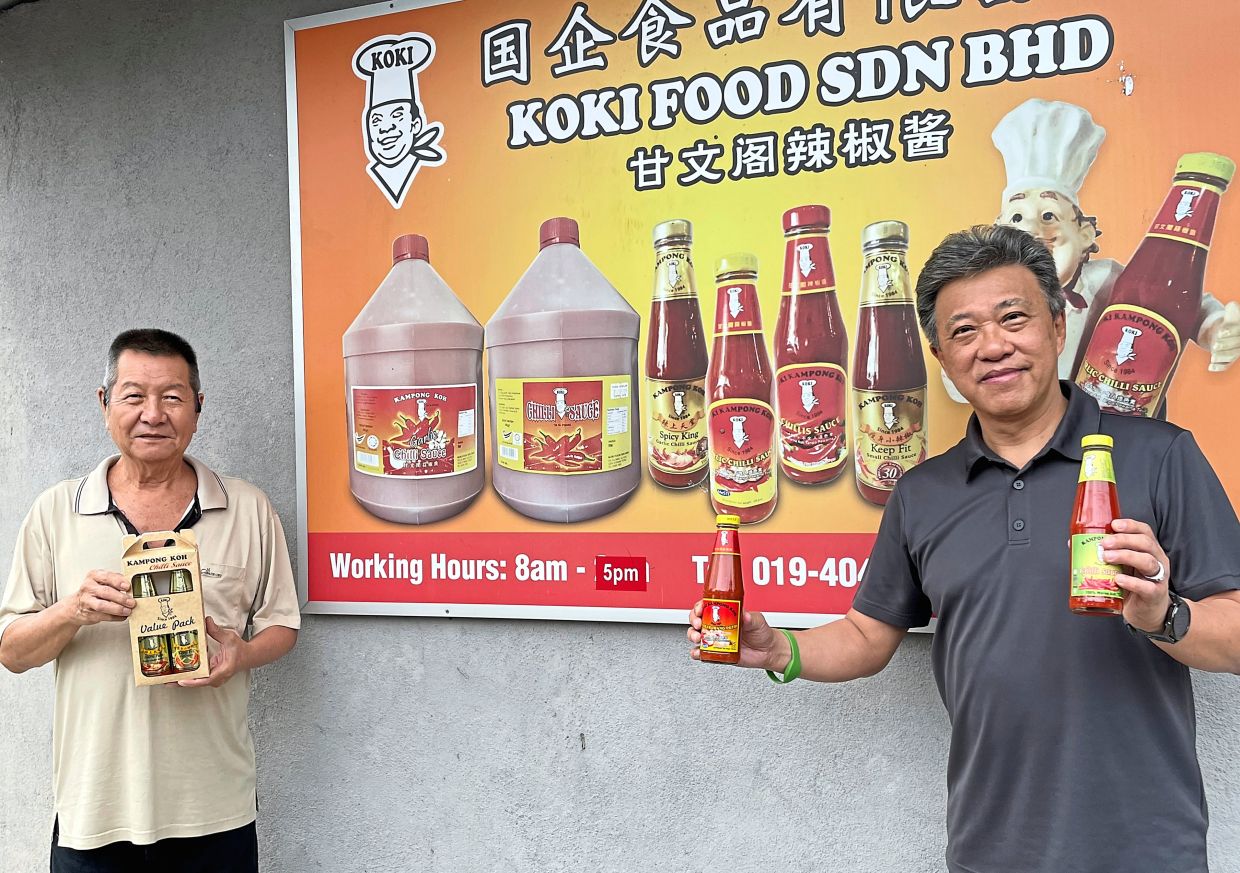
(1134, 546)
(226, 659)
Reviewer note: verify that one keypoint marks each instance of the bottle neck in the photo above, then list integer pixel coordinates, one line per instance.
(1189, 211)
(673, 272)
(1096, 466)
(736, 306)
(807, 262)
(885, 279)
(727, 541)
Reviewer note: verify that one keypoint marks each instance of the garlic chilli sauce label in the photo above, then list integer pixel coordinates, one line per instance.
(564, 426)
(420, 432)
(1129, 360)
(885, 280)
(742, 455)
(676, 436)
(1188, 213)
(891, 436)
(721, 626)
(807, 264)
(812, 400)
(736, 310)
(673, 267)
(1092, 576)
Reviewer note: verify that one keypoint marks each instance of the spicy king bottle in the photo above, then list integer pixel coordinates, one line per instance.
(1093, 590)
(675, 364)
(811, 351)
(1130, 351)
(741, 422)
(723, 598)
(889, 371)
(562, 369)
(413, 374)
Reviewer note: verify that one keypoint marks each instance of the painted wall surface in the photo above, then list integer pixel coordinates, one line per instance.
(143, 180)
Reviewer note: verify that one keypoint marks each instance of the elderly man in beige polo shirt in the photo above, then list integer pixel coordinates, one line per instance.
(157, 776)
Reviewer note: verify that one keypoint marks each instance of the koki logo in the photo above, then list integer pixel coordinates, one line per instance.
(1125, 351)
(735, 306)
(1184, 209)
(808, 400)
(890, 421)
(805, 260)
(739, 437)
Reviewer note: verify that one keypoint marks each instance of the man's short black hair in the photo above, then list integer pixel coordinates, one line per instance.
(150, 341)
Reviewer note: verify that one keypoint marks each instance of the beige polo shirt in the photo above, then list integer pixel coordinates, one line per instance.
(144, 764)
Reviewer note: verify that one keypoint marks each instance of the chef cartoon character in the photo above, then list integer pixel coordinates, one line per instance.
(395, 133)
(1048, 148)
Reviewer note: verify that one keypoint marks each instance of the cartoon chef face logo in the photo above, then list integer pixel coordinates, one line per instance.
(395, 132)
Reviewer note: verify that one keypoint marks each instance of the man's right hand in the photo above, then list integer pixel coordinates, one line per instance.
(104, 596)
(761, 645)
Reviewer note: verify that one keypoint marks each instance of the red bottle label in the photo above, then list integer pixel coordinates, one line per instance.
(1129, 360)
(812, 399)
(1188, 214)
(807, 264)
(736, 309)
(409, 431)
(742, 453)
(721, 626)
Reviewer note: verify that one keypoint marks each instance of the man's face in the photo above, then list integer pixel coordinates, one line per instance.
(391, 128)
(151, 414)
(1051, 218)
(998, 342)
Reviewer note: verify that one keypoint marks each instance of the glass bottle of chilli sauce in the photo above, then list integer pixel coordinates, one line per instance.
(152, 650)
(1130, 349)
(723, 599)
(811, 352)
(1093, 588)
(889, 369)
(740, 418)
(183, 651)
(676, 364)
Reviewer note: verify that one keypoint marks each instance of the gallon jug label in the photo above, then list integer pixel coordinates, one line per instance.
(422, 432)
(564, 427)
(891, 435)
(812, 399)
(742, 452)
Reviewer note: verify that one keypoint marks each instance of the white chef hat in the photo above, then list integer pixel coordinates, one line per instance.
(1047, 145)
(390, 65)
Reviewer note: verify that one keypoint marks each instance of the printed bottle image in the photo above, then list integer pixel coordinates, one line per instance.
(889, 370)
(413, 380)
(1133, 342)
(723, 598)
(1093, 589)
(562, 378)
(742, 429)
(811, 352)
(152, 650)
(183, 645)
(676, 364)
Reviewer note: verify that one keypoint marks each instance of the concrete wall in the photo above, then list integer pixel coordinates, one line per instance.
(144, 180)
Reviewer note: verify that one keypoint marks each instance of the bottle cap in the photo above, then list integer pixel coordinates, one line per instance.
(728, 520)
(737, 262)
(677, 228)
(1097, 440)
(813, 215)
(884, 233)
(558, 230)
(411, 245)
(1207, 164)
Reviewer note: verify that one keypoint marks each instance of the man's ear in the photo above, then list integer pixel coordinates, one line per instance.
(102, 394)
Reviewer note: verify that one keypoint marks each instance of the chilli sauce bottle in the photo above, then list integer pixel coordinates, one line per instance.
(811, 351)
(1093, 590)
(889, 371)
(723, 598)
(152, 650)
(1128, 353)
(742, 427)
(676, 364)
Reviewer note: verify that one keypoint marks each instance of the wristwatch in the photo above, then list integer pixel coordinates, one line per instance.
(1175, 625)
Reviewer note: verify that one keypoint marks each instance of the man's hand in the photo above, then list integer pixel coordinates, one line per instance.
(761, 645)
(103, 596)
(1223, 340)
(1133, 545)
(226, 658)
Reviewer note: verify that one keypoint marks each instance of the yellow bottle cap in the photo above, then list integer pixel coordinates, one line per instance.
(737, 262)
(1097, 440)
(729, 520)
(676, 228)
(1207, 164)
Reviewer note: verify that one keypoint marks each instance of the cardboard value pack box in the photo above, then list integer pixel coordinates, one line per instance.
(168, 627)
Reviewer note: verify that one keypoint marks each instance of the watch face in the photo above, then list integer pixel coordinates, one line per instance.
(1179, 620)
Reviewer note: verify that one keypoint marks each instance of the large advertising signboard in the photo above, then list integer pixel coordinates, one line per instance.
(570, 278)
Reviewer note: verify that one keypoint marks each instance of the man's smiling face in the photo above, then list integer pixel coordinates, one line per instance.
(391, 128)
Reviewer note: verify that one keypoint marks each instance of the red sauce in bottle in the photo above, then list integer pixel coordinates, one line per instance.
(1093, 589)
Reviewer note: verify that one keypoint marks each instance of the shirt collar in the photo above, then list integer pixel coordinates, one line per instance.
(95, 498)
(1081, 418)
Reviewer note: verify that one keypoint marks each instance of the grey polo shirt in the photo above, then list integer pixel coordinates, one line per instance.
(1073, 742)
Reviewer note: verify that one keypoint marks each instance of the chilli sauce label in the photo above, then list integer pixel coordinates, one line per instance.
(1188, 214)
(885, 280)
(421, 432)
(1092, 576)
(564, 426)
(676, 436)
(812, 399)
(721, 626)
(1097, 466)
(1129, 360)
(736, 309)
(742, 452)
(891, 434)
(807, 264)
(673, 270)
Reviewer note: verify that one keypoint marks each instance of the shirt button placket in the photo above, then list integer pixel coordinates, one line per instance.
(1018, 513)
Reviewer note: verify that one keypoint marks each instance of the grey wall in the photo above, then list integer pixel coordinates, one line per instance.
(142, 153)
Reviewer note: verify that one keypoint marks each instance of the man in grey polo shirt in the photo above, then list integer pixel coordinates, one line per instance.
(1063, 727)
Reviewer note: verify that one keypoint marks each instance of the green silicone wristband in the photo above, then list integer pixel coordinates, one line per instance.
(793, 670)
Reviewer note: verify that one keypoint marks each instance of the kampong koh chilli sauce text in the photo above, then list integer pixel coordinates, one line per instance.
(723, 599)
(738, 388)
(811, 352)
(1093, 588)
